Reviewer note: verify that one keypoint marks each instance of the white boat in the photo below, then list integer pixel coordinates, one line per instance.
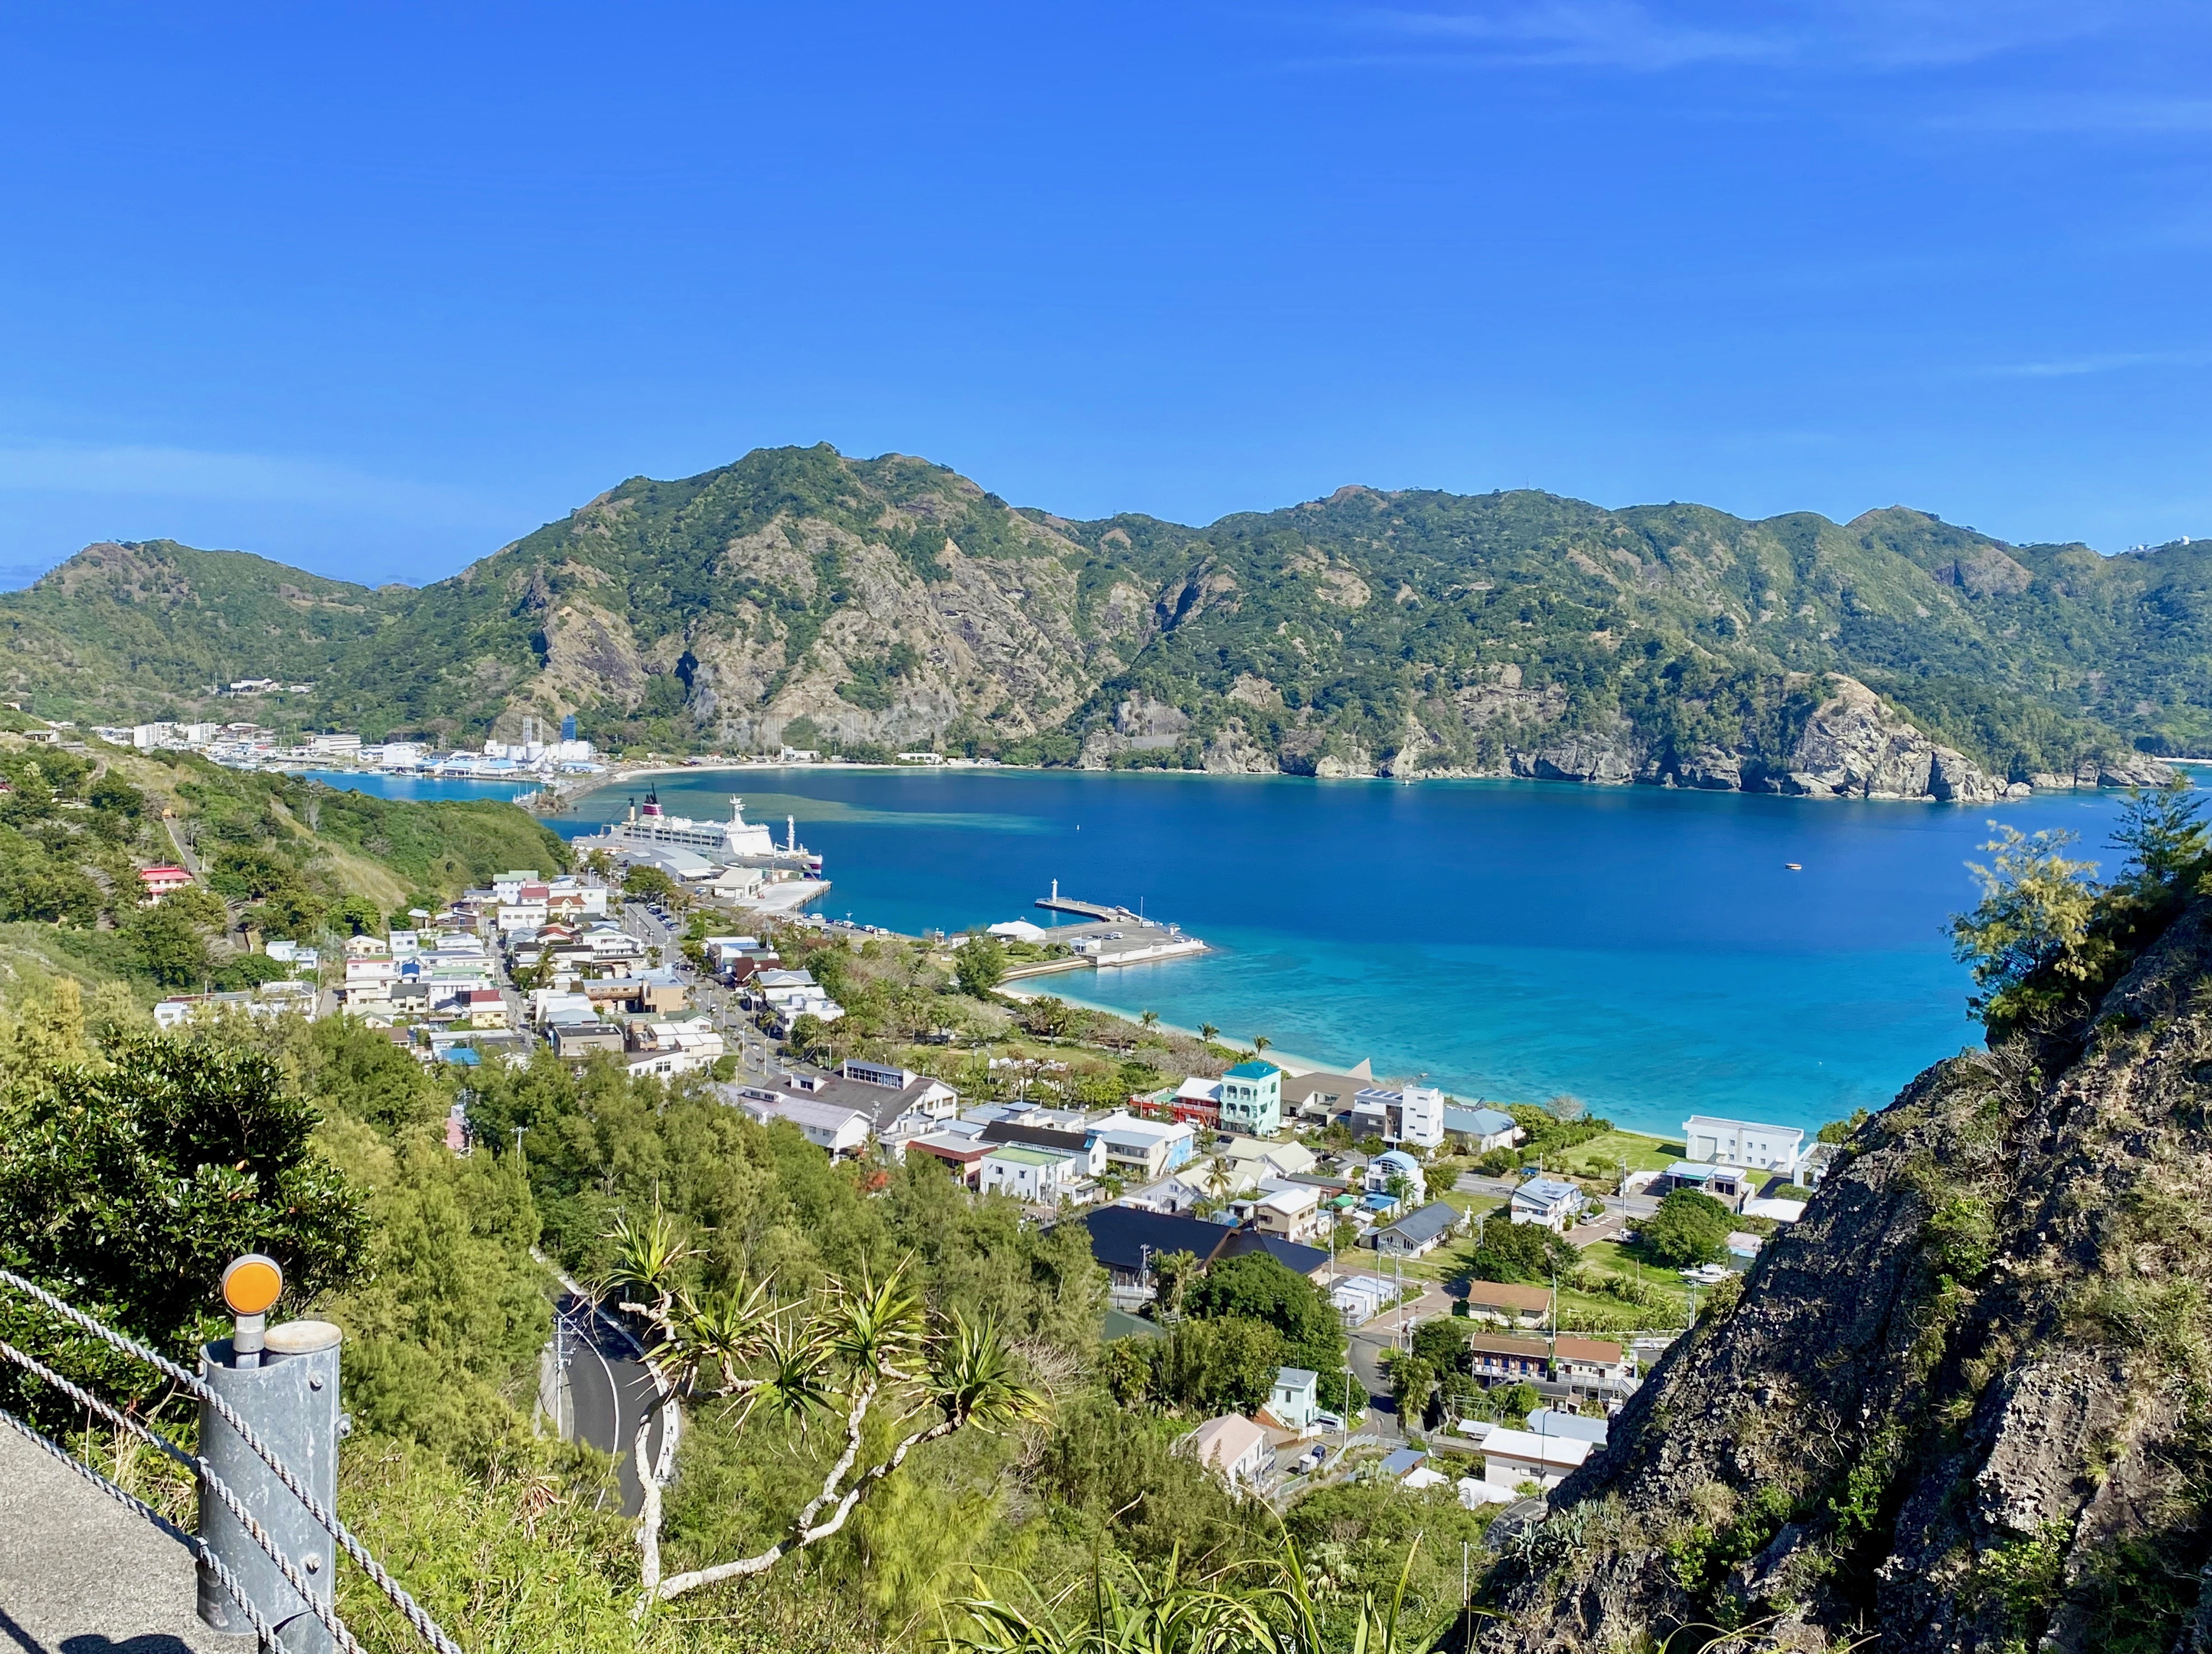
(734, 841)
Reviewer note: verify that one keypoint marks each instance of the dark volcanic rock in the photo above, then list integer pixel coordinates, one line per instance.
(1965, 1404)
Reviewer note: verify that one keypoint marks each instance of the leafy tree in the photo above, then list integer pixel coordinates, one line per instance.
(450, 1321)
(2163, 830)
(649, 883)
(1172, 1273)
(354, 1070)
(358, 915)
(858, 1354)
(1523, 1253)
(1412, 1384)
(126, 1187)
(1115, 1468)
(1443, 1343)
(1840, 1131)
(1216, 1366)
(1688, 1229)
(810, 1036)
(116, 796)
(1258, 1287)
(980, 964)
(2033, 920)
(36, 885)
(170, 938)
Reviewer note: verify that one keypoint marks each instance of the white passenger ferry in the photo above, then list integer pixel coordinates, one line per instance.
(736, 840)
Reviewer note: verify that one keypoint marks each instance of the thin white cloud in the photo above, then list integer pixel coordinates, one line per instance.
(1607, 33)
(136, 471)
(2114, 362)
(1831, 34)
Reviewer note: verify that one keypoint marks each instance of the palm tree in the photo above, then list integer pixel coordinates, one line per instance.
(1149, 1019)
(1207, 1031)
(1259, 1042)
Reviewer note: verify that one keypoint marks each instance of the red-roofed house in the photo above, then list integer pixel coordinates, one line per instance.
(159, 881)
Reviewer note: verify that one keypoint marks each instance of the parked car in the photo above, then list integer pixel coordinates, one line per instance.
(1330, 1421)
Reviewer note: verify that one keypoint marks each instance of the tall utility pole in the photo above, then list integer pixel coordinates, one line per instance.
(560, 1367)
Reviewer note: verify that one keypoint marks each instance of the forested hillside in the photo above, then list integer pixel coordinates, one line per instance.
(275, 856)
(801, 596)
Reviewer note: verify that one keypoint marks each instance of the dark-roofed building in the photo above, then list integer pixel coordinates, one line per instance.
(1126, 1238)
(1417, 1232)
(1082, 1146)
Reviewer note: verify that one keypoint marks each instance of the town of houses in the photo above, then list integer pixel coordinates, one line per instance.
(243, 745)
(1213, 1167)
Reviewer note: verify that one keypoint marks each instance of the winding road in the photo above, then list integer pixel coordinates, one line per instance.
(608, 1390)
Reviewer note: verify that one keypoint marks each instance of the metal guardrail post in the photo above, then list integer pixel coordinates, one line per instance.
(283, 1382)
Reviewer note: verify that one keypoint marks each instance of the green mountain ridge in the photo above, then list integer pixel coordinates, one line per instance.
(800, 596)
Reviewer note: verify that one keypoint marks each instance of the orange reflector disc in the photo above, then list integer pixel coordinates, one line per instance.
(253, 1285)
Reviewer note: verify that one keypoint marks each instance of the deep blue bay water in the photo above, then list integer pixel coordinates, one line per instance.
(1643, 949)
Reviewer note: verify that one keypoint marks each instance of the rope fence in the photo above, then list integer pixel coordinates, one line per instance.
(411, 1611)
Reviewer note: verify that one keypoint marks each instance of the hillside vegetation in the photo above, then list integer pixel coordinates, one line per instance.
(274, 855)
(801, 596)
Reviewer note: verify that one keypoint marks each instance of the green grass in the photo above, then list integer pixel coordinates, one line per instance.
(1614, 1257)
(1640, 1152)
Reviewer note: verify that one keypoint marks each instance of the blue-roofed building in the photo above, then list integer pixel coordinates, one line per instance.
(1396, 1164)
(1252, 1099)
(1480, 1130)
(1409, 1466)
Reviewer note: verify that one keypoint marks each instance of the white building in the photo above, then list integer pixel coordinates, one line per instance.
(1232, 1447)
(335, 744)
(1511, 1458)
(1743, 1143)
(1144, 1149)
(1548, 1201)
(839, 1131)
(1410, 1115)
(1397, 1164)
(1040, 1175)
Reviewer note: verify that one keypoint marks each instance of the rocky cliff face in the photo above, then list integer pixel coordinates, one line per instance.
(1851, 746)
(808, 597)
(1965, 1404)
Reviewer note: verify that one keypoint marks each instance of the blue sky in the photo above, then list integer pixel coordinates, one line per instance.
(374, 289)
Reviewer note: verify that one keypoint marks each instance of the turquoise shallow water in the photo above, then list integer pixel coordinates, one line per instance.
(1645, 950)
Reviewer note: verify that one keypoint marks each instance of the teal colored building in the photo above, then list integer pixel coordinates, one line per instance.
(1252, 1099)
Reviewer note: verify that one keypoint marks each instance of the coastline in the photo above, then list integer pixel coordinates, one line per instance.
(1289, 1061)
(566, 791)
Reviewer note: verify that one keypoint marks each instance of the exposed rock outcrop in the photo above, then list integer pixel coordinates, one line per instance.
(1965, 1404)
(1852, 748)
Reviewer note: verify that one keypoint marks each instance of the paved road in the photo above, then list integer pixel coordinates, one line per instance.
(1365, 1348)
(608, 1390)
(79, 1574)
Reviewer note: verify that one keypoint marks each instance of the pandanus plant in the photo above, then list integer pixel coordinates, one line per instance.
(1278, 1604)
(846, 1353)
